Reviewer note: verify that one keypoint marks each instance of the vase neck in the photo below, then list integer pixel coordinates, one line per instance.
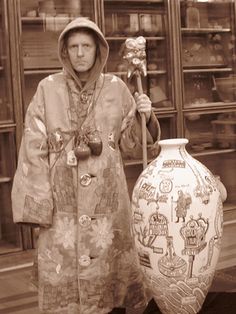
(173, 144)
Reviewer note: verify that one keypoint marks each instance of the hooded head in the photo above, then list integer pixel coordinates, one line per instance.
(102, 49)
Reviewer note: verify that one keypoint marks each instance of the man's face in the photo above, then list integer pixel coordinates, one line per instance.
(82, 51)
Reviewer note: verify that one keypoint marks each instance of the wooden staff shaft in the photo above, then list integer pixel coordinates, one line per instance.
(143, 121)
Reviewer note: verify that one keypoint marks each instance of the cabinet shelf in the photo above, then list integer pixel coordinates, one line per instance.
(134, 162)
(156, 72)
(6, 126)
(195, 31)
(229, 207)
(197, 69)
(164, 113)
(208, 105)
(42, 71)
(212, 152)
(40, 20)
(229, 213)
(231, 222)
(5, 179)
(133, 1)
(160, 38)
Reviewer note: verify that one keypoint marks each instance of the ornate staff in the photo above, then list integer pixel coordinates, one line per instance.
(134, 53)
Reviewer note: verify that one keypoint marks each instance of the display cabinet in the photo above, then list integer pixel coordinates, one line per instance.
(125, 19)
(10, 239)
(208, 52)
(208, 98)
(191, 78)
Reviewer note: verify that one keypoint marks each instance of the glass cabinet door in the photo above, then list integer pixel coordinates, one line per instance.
(6, 109)
(212, 138)
(41, 24)
(208, 68)
(122, 20)
(208, 56)
(208, 52)
(9, 232)
(125, 19)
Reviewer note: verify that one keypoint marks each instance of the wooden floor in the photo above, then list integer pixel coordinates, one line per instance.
(17, 296)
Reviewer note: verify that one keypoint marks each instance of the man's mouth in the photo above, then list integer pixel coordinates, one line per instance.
(81, 63)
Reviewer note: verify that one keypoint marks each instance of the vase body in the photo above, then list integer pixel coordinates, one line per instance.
(177, 219)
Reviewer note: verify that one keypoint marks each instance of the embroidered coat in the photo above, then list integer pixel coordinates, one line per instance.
(85, 256)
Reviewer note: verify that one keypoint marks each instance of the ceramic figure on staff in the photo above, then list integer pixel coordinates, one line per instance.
(70, 180)
(134, 52)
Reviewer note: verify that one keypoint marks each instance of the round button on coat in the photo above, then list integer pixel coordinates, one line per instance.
(85, 179)
(84, 220)
(84, 260)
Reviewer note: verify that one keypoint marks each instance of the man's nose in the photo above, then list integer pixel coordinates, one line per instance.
(80, 51)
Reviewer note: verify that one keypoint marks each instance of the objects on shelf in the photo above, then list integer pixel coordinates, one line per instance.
(224, 131)
(203, 51)
(226, 87)
(122, 23)
(54, 8)
(192, 15)
(157, 95)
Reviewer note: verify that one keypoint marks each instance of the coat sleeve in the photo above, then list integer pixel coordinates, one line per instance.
(131, 131)
(31, 192)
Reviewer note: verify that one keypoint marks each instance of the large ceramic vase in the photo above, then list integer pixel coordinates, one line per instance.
(177, 227)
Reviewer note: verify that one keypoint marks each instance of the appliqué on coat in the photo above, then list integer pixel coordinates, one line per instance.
(54, 297)
(64, 189)
(102, 233)
(107, 192)
(36, 211)
(65, 233)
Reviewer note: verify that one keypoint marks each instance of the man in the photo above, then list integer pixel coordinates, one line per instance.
(70, 180)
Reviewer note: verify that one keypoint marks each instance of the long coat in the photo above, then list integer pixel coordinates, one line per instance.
(85, 257)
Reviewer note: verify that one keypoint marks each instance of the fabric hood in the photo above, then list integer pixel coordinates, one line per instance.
(102, 53)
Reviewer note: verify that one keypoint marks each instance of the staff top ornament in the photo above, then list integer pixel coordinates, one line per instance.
(134, 53)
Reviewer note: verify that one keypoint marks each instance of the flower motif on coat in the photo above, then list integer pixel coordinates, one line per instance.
(102, 233)
(65, 233)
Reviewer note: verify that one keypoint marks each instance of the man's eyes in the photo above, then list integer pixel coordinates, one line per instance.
(77, 46)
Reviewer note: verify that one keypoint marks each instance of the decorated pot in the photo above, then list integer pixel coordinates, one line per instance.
(177, 219)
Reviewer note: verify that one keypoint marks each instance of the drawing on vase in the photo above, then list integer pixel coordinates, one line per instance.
(157, 226)
(194, 236)
(204, 186)
(215, 241)
(182, 205)
(176, 270)
(166, 185)
(170, 264)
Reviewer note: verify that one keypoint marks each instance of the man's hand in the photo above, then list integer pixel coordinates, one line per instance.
(144, 105)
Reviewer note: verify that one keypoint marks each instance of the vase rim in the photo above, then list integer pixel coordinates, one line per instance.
(173, 141)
